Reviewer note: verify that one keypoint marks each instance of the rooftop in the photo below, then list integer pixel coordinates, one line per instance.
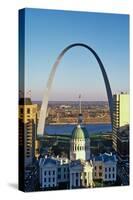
(25, 101)
(79, 162)
(105, 157)
(80, 133)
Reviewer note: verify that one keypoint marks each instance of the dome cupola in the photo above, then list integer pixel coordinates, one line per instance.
(79, 133)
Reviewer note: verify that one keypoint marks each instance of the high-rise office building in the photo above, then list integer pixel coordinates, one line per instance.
(123, 143)
(120, 115)
(27, 130)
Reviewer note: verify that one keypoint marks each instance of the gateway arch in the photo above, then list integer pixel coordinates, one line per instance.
(42, 117)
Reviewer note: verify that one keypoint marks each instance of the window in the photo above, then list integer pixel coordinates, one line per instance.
(28, 110)
(109, 169)
(105, 169)
(59, 176)
(100, 174)
(77, 183)
(53, 172)
(64, 176)
(49, 172)
(53, 179)
(105, 176)
(76, 174)
(95, 167)
(21, 110)
(45, 173)
(44, 179)
(85, 181)
(113, 175)
(100, 167)
(49, 179)
(109, 175)
(64, 169)
(113, 169)
(59, 169)
(95, 174)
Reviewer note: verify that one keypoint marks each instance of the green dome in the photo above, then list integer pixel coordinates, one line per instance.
(79, 133)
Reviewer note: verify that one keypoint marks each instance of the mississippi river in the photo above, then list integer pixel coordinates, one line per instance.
(67, 129)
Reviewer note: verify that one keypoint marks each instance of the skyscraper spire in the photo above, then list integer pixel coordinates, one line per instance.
(80, 117)
(80, 103)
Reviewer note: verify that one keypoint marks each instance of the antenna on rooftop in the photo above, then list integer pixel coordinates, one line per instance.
(80, 103)
(80, 117)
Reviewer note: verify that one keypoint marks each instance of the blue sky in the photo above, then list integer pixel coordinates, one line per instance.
(48, 32)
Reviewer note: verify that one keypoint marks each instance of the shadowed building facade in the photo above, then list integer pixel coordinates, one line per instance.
(120, 115)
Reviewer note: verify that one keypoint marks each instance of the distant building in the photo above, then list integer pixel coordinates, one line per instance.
(27, 130)
(105, 167)
(120, 114)
(123, 143)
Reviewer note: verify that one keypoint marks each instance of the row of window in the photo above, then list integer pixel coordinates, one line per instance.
(27, 110)
(108, 176)
(78, 183)
(110, 169)
(65, 176)
(100, 174)
(49, 173)
(106, 169)
(98, 167)
(77, 148)
(49, 180)
(79, 174)
(50, 185)
(53, 173)
(80, 148)
(65, 169)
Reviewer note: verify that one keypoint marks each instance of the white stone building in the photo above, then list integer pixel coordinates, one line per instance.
(80, 144)
(105, 167)
(56, 171)
(79, 171)
(81, 174)
(48, 168)
(53, 171)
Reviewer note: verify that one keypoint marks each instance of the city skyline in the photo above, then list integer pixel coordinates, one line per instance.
(40, 55)
(71, 145)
